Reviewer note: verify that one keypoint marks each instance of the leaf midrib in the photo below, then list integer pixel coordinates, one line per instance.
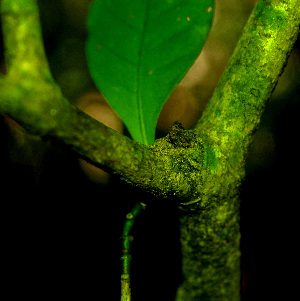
(139, 65)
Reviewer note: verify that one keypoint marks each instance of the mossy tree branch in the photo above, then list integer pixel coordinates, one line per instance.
(210, 238)
(202, 168)
(30, 96)
(26, 55)
(234, 111)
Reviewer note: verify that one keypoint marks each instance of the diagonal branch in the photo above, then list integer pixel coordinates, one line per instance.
(161, 168)
(30, 96)
(183, 163)
(234, 111)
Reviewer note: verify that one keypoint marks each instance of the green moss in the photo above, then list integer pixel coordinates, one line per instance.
(200, 169)
(270, 16)
(210, 229)
(21, 27)
(210, 159)
(211, 254)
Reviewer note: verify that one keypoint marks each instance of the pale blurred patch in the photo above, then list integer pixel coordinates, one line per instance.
(181, 106)
(95, 105)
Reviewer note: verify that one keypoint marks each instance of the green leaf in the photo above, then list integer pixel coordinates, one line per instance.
(139, 50)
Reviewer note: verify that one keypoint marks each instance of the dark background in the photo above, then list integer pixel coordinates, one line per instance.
(61, 230)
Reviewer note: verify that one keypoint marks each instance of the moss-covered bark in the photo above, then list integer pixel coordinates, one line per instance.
(211, 254)
(234, 111)
(21, 20)
(210, 233)
(200, 169)
(210, 229)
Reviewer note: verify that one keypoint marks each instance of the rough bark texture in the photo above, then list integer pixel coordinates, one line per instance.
(210, 229)
(201, 169)
(210, 236)
(211, 256)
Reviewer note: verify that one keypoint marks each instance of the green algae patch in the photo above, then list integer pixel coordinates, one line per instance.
(270, 16)
(211, 160)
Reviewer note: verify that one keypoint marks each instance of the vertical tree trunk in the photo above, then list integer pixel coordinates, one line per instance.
(211, 253)
(210, 237)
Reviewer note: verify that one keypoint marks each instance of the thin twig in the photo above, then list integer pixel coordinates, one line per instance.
(126, 257)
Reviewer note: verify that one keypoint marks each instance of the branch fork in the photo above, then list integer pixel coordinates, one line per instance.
(181, 164)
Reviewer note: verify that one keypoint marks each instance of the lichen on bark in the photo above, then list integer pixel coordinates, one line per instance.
(211, 254)
(200, 169)
(210, 232)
